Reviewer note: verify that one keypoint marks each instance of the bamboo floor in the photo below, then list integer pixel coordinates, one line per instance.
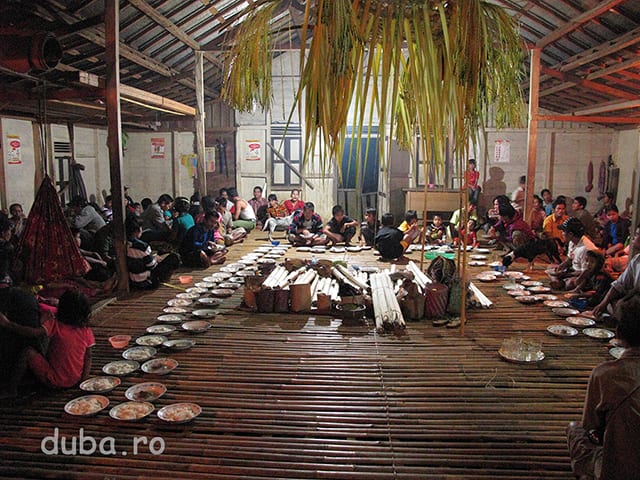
(303, 397)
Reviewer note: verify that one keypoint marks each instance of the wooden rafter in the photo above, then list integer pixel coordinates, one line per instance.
(571, 80)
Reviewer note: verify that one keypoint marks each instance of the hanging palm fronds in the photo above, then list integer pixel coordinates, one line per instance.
(47, 250)
(431, 68)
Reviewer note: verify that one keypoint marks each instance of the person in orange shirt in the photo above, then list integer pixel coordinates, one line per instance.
(551, 226)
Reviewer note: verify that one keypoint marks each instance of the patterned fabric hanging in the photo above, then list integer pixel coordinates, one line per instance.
(47, 250)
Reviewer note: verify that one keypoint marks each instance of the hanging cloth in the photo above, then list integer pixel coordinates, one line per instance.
(47, 250)
(76, 183)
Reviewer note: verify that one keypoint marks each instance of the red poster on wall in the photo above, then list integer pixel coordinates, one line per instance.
(157, 148)
(14, 156)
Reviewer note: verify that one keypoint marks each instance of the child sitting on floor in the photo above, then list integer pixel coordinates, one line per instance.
(437, 232)
(594, 281)
(472, 239)
(68, 358)
(369, 228)
(410, 224)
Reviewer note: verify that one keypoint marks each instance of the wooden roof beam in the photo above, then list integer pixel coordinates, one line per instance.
(609, 107)
(171, 27)
(589, 118)
(571, 80)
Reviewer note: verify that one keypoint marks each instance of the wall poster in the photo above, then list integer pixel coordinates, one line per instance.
(253, 150)
(157, 147)
(502, 151)
(14, 155)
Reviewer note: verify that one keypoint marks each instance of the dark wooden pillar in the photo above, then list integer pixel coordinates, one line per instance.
(201, 183)
(534, 95)
(114, 138)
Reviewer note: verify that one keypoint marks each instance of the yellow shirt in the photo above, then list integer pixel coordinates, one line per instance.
(551, 226)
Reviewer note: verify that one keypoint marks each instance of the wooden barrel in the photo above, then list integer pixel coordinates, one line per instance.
(436, 299)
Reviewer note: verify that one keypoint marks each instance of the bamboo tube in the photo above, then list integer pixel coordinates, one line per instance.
(352, 278)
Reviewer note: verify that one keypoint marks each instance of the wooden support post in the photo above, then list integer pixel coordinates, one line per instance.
(201, 182)
(114, 138)
(534, 90)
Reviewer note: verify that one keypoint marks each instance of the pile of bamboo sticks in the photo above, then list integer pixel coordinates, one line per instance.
(477, 298)
(386, 309)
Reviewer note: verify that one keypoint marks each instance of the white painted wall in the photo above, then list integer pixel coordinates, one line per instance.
(150, 176)
(627, 158)
(19, 171)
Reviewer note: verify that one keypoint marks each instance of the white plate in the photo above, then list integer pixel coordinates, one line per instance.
(303, 249)
(557, 303)
(217, 277)
(481, 250)
(198, 290)
(581, 321)
(204, 313)
(238, 279)
(486, 278)
(266, 261)
(337, 249)
(518, 293)
(599, 333)
(231, 270)
(161, 329)
(179, 344)
(512, 286)
(100, 384)
(131, 411)
(187, 295)
(247, 261)
(150, 340)
(478, 257)
(222, 292)
(496, 263)
(196, 326)
(171, 318)
(231, 285)
(522, 357)
(514, 274)
(179, 302)
(160, 366)
(86, 405)
(539, 289)
(174, 310)
(477, 263)
(562, 331)
(206, 285)
(212, 302)
(139, 354)
(353, 249)
(121, 367)
(527, 299)
(565, 312)
(179, 412)
(145, 392)
(616, 352)
(548, 296)
(532, 283)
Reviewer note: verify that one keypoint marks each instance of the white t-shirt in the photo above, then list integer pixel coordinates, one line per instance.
(578, 253)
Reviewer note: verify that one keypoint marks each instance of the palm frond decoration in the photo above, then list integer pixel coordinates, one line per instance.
(431, 68)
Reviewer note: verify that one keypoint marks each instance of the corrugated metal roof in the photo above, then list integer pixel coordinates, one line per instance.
(589, 49)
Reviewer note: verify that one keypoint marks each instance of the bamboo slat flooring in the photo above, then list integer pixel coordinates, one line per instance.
(302, 396)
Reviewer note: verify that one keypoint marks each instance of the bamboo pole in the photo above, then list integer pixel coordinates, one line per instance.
(534, 96)
(201, 180)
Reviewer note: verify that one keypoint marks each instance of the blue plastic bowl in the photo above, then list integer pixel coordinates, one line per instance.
(275, 243)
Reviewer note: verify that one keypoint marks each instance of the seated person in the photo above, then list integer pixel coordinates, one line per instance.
(68, 358)
(594, 281)
(182, 222)
(604, 445)
(614, 233)
(618, 262)
(470, 233)
(259, 204)
(340, 228)
(369, 228)
(493, 214)
(230, 234)
(436, 232)
(20, 307)
(579, 211)
(85, 218)
(18, 219)
(294, 203)
(107, 209)
(7, 252)
(564, 276)
(100, 271)
(551, 225)
(156, 226)
(626, 283)
(224, 193)
(199, 248)
(511, 231)
(306, 227)
(277, 216)
(391, 242)
(410, 223)
(538, 215)
(243, 214)
(457, 219)
(145, 271)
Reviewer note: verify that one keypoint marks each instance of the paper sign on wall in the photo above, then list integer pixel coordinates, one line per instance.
(157, 148)
(14, 156)
(502, 151)
(253, 150)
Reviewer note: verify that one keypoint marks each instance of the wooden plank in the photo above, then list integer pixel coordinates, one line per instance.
(201, 181)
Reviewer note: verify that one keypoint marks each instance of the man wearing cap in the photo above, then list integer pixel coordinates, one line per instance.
(564, 275)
